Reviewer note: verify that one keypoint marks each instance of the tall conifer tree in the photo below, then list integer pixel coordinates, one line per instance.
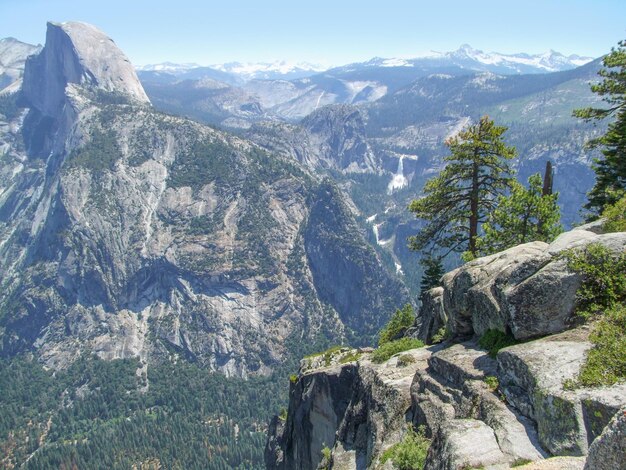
(459, 199)
(611, 167)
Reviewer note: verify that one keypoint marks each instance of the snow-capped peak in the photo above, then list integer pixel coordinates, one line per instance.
(474, 59)
(278, 68)
(168, 67)
(550, 61)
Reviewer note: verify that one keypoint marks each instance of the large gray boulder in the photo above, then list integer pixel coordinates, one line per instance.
(608, 451)
(469, 423)
(526, 290)
(532, 377)
(464, 443)
(432, 318)
(318, 404)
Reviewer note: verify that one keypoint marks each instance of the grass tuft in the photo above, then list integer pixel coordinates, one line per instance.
(392, 348)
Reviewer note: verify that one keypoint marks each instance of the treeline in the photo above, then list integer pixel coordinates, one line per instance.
(103, 414)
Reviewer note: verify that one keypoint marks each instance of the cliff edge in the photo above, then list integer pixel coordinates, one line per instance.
(475, 408)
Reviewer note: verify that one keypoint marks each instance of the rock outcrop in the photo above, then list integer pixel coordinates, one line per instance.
(77, 53)
(338, 132)
(480, 410)
(13, 55)
(330, 138)
(609, 449)
(357, 420)
(526, 290)
(126, 232)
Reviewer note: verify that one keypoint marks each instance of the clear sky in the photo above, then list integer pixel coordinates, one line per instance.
(326, 31)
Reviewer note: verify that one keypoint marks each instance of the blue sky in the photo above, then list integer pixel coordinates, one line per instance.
(332, 32)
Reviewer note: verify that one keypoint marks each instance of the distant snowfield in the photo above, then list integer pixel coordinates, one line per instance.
(550, 61)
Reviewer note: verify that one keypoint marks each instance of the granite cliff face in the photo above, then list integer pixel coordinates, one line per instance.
(125, 232)
(13, 55)
(477, 410)
(77, 53)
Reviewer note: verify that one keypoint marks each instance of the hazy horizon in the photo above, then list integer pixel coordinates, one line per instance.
(327, 33)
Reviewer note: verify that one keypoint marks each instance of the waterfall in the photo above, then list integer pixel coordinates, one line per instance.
(398, 181)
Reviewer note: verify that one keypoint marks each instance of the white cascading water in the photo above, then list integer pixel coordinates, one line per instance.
(398, 181)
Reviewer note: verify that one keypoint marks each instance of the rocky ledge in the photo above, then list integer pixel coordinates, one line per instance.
(478, 411)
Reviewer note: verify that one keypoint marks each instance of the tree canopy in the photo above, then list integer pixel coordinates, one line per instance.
(611, 167)
(525, 215)
(459, 199)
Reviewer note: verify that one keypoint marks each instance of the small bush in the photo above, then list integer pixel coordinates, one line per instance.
(410, 454)
(387, 350)
(606, 362)
(492, 382)
(604, 282)
(440, 336)
(283, 414)
(494, 340)
(350, 357)
(405, 360)
(293, 378)
(326, 458)
(399, 323)
(519, 462)
(601, 298)
(327, 355)
(8, 106)
(615, 216)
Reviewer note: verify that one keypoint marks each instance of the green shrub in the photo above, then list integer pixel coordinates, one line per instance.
(326, 457)
(519, 462)
(492, 382)
(399, 323)
(8, 106)
(283, 414)
(601, 298)
(604, 279)
(410, 454)
(606, 362)
(440, 336)
(615, 216)
(350, 357)
(99, 153)
(494, 340)
(328, 354)
(293, 378)
(387, 350)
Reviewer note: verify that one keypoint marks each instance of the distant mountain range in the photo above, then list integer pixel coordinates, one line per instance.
(477, 60)
(464, 58)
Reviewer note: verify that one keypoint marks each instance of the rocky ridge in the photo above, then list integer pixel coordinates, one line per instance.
(128, 233)
(331, 138)
(13, 55)
(479, 411)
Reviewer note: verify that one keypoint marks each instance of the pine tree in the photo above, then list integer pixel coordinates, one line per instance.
(610, 169)
(433, 270)
(401, 320)
(525, 215)
(458, 200)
